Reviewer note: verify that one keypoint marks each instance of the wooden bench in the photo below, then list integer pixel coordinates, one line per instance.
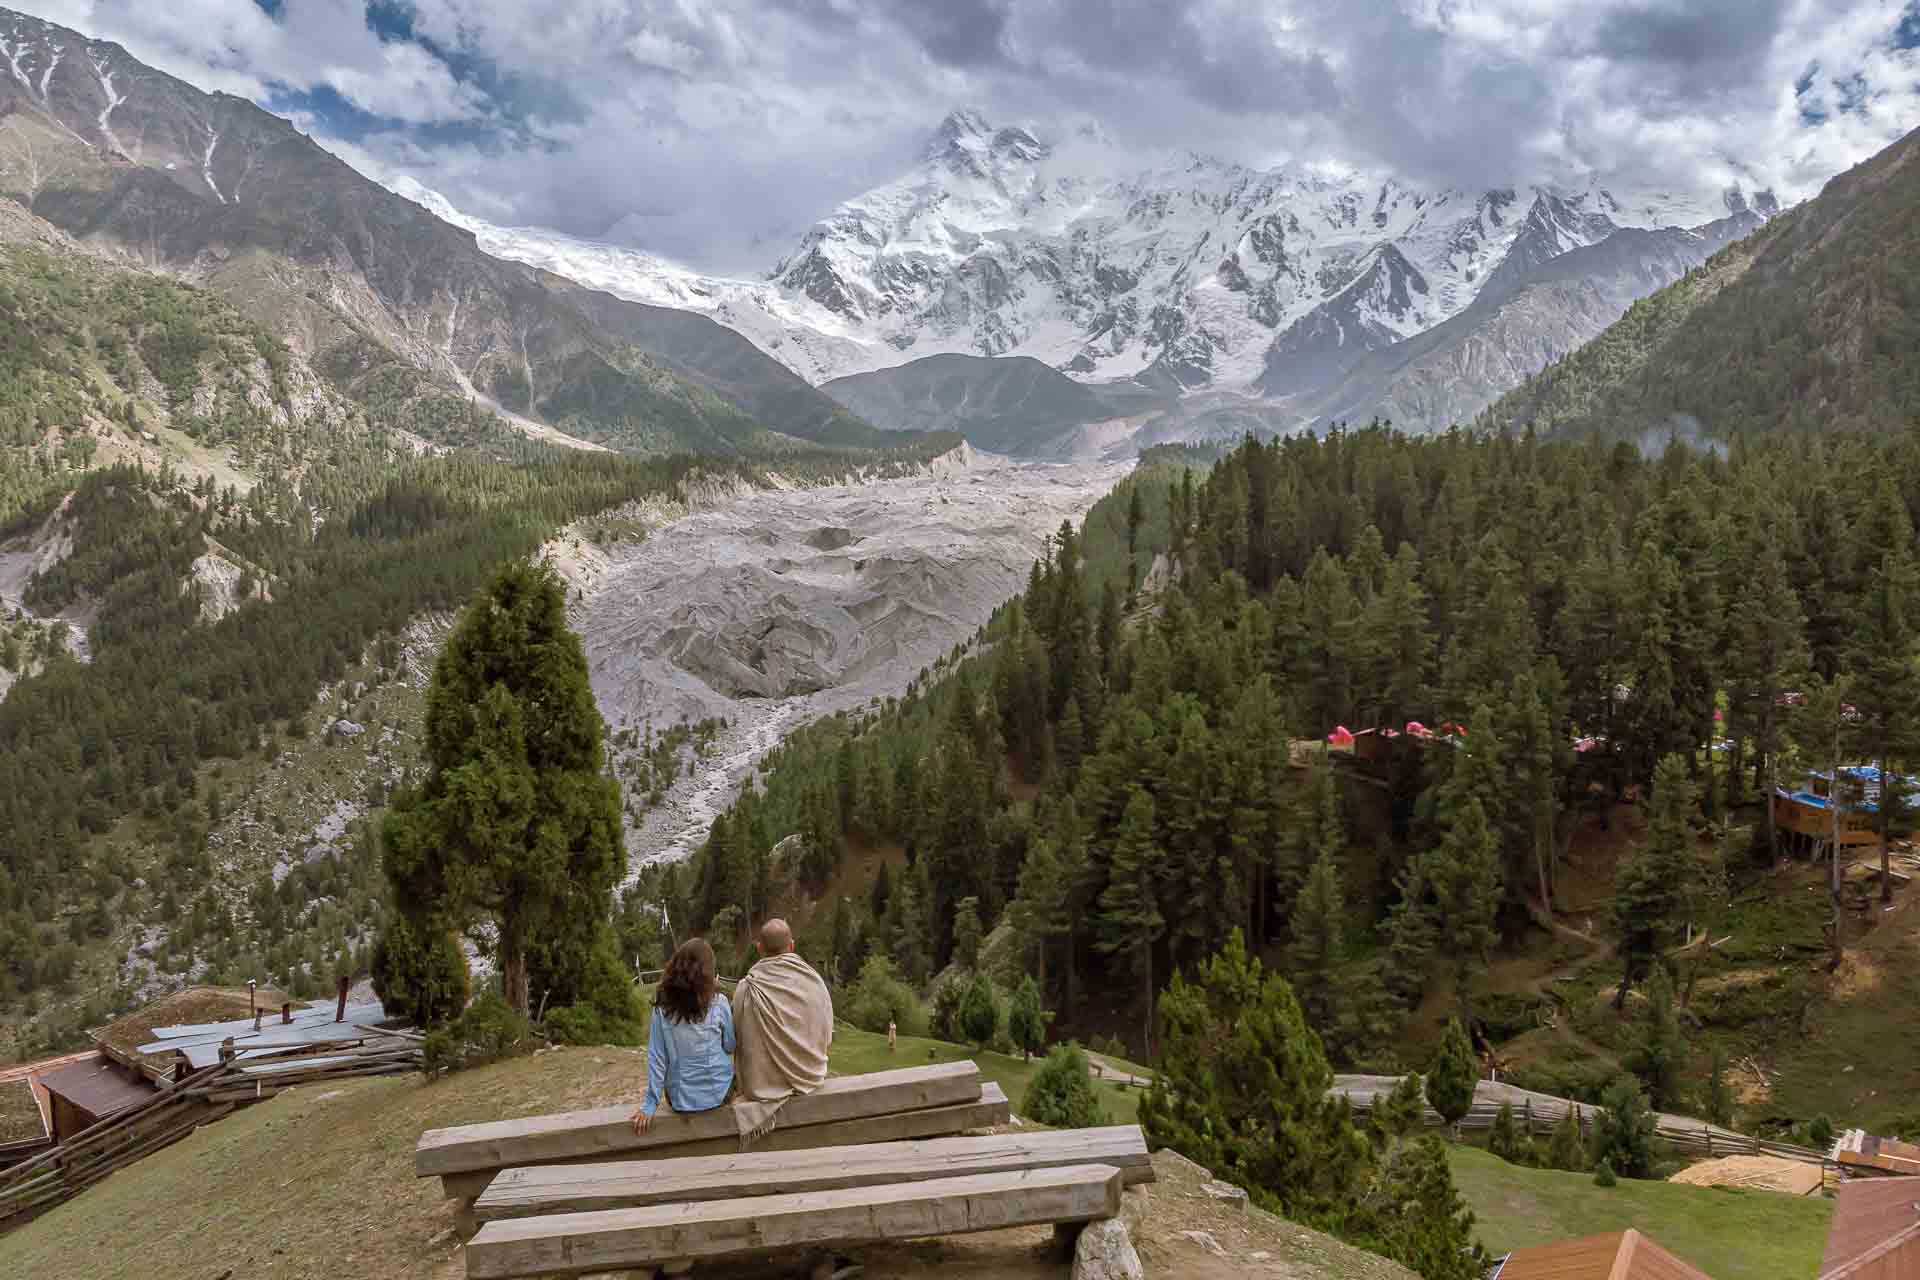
(677, 1235)
(884, 1106)
(632, 1184)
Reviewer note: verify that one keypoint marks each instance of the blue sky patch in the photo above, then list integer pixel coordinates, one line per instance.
(1907, 34)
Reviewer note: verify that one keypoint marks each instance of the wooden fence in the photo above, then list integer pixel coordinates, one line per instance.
(1540, 1112)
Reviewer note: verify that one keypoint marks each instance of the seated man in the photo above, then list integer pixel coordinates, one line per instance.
(783, 1020)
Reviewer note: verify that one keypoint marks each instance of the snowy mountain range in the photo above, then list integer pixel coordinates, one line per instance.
(1186, 274)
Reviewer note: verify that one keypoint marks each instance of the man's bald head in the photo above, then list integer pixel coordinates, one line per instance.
(776, 938)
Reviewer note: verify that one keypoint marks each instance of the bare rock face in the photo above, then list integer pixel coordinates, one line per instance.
(1105, 1252)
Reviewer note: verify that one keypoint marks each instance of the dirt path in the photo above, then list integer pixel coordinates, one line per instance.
(1542, 987)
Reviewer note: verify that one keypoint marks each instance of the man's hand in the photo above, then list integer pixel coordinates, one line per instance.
(641, 1123)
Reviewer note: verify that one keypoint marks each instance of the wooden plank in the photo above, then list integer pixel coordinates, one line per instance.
(990, 1109)
(609, 1130)
(570, 1243)
(523, 1193)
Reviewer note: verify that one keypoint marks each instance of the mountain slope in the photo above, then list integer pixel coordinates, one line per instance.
(1534, 311)
(213, 188)
(1009, 404)
(102, 362)
(1809, 323)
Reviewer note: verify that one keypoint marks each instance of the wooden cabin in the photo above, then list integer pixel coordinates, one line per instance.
(1804, 814)
(85, 1093)
(1876, 1231)
(1617, 1255)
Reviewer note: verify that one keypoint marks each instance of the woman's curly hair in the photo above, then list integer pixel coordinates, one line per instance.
(687, 987)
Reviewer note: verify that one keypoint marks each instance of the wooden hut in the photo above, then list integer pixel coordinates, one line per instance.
(1618, 1255)
(1875, 1233)
(85, 1093)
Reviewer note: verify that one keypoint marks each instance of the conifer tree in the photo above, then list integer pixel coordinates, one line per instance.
(912, 945)
(1428, 1227)
(517, 821)
(1318, 946)
(1464, 876)
(966, 933)
(1026, 1019)
(1767, 655)
(1623, 1130)
(1650, 888)
(979, 1015)
(1887, 690)
(1659, 1054)
(1503, 1139)
(1567, 1149)
(1400, 1112)
(1242, 1089)
(1130, 922)
(1452, 1076)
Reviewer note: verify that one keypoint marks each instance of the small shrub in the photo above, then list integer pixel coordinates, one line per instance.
(1603, 1176)
(1820, 1133)
(979, 1015)
(1623, 1130)
(488, 1031)
(878, 996)
(1061, 1093)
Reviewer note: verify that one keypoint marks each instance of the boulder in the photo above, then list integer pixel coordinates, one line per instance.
(344, 730)
(1105, 1252)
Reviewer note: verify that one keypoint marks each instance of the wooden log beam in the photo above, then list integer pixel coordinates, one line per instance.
(990, 1109)
(606, 1131)
(580, 1188)
(571, 1243)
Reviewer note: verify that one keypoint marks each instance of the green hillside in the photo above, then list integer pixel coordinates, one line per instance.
(1809, 324)
(1730, 1234)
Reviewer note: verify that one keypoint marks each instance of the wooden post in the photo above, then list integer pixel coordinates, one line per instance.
(340, 1013)
(286, 1012)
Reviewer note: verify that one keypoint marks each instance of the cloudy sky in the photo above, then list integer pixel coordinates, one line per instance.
(711, 130)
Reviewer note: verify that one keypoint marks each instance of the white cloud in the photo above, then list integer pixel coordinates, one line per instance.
(718, 122)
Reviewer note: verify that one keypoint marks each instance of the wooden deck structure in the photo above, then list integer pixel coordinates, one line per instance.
(1803, 816)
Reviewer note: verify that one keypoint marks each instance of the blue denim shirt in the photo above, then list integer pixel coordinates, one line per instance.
(692, 1060)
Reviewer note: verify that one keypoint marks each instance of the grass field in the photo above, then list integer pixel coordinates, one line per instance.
(1730, 1235)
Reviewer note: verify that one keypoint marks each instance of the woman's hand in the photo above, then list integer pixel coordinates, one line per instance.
(641, 1123)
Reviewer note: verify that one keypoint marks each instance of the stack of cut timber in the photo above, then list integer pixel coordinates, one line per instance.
(682, 1233)
(633, 1184)
(885, 1106)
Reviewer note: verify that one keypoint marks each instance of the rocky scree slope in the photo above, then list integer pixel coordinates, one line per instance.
(357, 278)
(1810, 323)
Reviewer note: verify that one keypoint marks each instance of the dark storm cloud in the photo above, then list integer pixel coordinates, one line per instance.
(958, 33)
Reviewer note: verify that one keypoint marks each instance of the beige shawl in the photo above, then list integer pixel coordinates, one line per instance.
(783, 1023)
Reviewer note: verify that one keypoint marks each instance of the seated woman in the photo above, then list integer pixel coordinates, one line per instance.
(690, 1042)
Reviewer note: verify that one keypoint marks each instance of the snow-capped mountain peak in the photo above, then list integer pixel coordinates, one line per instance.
(1184, 270)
